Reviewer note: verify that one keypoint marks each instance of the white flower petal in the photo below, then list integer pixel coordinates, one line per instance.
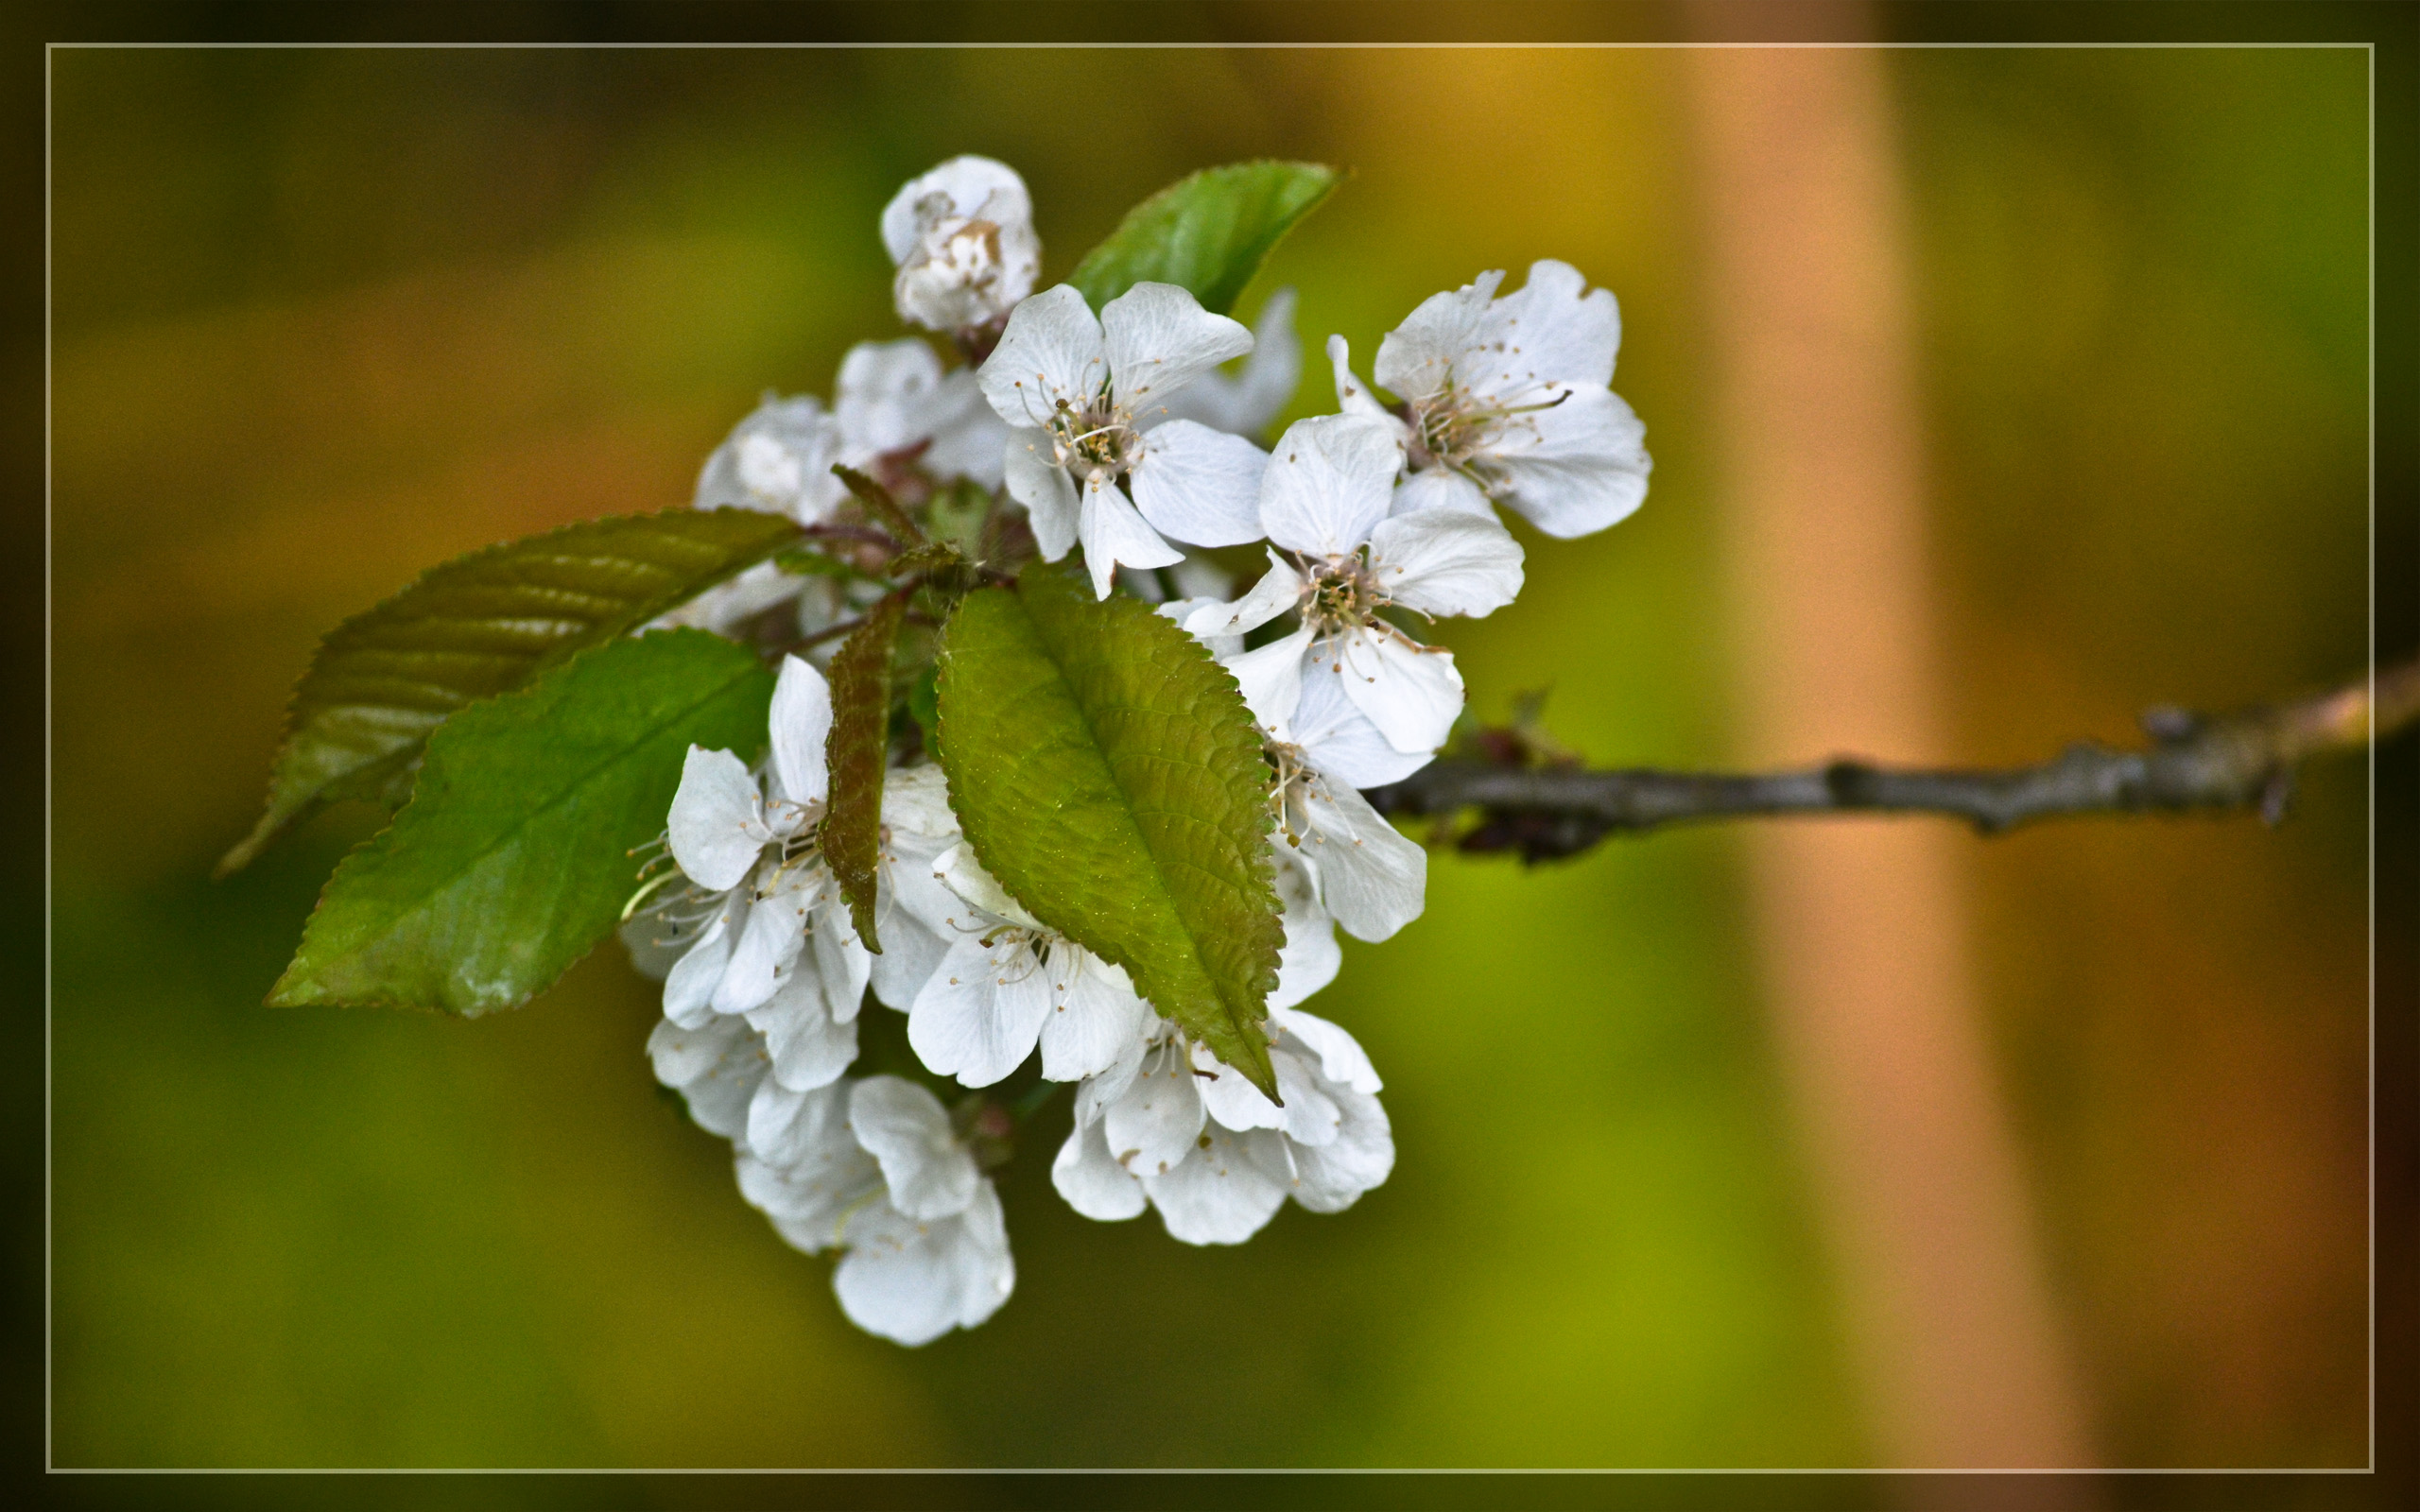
(1372, 877)
(1200, 486)
(715, 1067)
(912, 1281)
(843, 963)
(1311, 957)
(1328, 482)
(1182, 610)
(1114, 533)
(809, 1200)
(1272, 680)
(808, 1047)
(1153, 1124)
(1577, 468)
(1328, 1178)
(964, 875)
(689, 987)
(915, 800)
(906, 1129)
(717, 825)
(979, 1015)
(1353, 396)
(769, 941)
(1223, 1193)
(1310, 1116)
(1440, 487)
(1341, 1059)
(654, 945)
(1339, 740)
(724, 607)
(802, 718)
(962, 239)
(1050, 354)
(1425, 354)
(921, 892)
(793, 1129)
(1278, 589)
(1037, 481)
(1551, 330)
(778, 460)
(966, 436)
(1232, 1101)
(1158, 338)
(911, 951)
(1413, 694)
(1245, 404)
(884, 395)
(1096, 1096)
(1443, 561)
(1093, 1015)
(1093, 1181)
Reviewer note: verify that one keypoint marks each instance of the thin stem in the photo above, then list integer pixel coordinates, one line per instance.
(2235, 760)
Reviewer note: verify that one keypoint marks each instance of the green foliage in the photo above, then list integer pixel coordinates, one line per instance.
(514, 856)
(1105, 769)
(480, 626)
(854, 751)
(1208, 232)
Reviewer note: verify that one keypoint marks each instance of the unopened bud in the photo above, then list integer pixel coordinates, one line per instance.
(962, 238)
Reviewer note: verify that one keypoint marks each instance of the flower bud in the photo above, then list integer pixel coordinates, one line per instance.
(962, 238)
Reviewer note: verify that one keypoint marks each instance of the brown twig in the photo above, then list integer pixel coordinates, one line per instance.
(2229, 762)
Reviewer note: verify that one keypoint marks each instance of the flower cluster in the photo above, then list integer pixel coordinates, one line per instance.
(1113, 431)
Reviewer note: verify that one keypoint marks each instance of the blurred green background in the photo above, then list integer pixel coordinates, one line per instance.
(324, 318)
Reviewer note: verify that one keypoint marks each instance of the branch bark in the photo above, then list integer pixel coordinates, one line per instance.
(2225, 762)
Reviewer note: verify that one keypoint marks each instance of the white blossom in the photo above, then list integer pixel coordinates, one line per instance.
(779, 460)
(1173, 1127)
(768, 935)
(893, 403)
(1008, 983)
(1250, 401)
(963, 241)
(873, 1167)
(1324, 497)
(716, 1066)
(1368, 875)
(1510, 400)
(1084, 401)
(876, 1168)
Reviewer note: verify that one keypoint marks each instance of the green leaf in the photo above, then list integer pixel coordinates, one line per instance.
(855, 750)
(1106, 771)
(514, 856)
(479, 626)
(1208, 234)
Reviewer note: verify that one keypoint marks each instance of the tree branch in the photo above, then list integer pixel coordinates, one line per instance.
(2229, 762)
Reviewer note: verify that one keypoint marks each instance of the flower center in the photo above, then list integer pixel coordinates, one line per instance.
(1097, 441)
(1449, 428)
(1455, 428)
(1289, 794)
(1340, 593)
